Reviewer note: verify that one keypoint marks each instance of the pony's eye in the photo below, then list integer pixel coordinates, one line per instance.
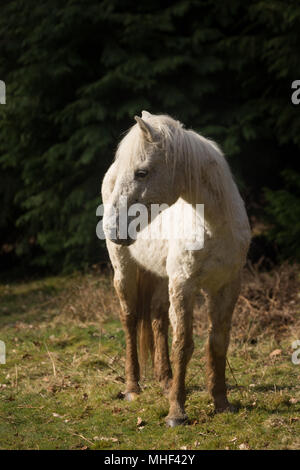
(141, 173)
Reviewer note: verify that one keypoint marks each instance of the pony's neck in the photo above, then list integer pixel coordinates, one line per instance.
(214, 212)
(207, 180)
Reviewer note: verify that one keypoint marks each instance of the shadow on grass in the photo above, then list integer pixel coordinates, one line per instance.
(28, 303)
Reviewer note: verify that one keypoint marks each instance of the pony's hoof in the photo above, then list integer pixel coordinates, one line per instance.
(131, 396)
(173, 422)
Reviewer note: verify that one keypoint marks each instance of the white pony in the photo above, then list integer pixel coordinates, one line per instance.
(160, 162)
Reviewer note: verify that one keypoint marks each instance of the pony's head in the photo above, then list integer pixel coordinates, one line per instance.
(145, 170)
(157, 162)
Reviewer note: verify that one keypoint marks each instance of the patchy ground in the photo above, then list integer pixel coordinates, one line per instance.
(61, 386)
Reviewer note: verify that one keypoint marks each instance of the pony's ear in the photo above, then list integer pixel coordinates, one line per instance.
(145, 128)
(145, 115)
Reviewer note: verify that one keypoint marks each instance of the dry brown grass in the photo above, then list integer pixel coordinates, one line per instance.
(268, 304)
(89, 298)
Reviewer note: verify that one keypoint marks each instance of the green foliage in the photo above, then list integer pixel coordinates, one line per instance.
(76, 75)
(284, 209)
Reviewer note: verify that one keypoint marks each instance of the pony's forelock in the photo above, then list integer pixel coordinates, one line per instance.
(134, 147)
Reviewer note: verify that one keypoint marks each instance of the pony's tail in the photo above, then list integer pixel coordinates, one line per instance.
(145, 339)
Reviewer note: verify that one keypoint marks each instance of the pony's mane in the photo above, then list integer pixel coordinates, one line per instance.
(206, 170)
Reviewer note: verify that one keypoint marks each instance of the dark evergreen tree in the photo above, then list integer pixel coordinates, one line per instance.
(77, 73)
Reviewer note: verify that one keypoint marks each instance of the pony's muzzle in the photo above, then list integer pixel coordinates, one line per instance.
(118, 233)
(122, 241)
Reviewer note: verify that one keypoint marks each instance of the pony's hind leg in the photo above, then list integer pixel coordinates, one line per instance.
(160, 327)
(181, 316)
(221, 306)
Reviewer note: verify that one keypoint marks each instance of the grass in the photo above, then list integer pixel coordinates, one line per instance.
(61, 386)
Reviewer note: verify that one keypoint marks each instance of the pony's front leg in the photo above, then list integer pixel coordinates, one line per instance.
(127, 295)
(181, 316)
(221, 306)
